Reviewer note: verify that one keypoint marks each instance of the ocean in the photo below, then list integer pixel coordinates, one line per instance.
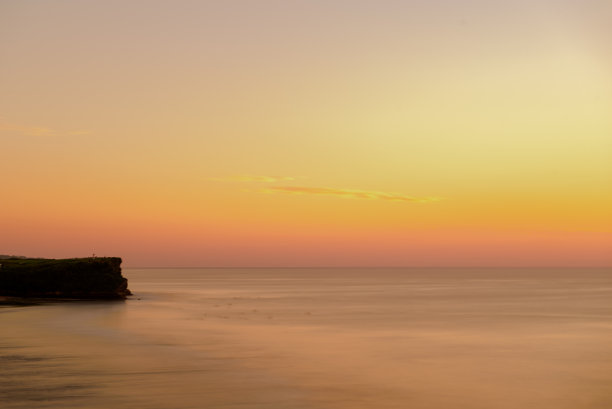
(319, 339)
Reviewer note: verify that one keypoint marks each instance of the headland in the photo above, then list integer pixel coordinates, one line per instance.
(74, 278)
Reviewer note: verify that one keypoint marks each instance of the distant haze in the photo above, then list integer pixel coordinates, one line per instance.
(308, 133)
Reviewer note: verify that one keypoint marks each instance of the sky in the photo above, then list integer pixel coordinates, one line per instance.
(308, 133)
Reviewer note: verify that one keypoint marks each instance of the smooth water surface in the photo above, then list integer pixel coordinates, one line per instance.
(317, 338)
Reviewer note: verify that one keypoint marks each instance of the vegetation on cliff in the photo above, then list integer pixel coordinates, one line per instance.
(94, 277)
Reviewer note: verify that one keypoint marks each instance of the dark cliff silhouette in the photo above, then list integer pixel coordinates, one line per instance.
(92, 278)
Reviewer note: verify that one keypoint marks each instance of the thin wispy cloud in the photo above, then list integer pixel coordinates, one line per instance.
(79, 133)
(321, 191)
(253, 178)
(29, 130)
(25, 130)
(348, 193)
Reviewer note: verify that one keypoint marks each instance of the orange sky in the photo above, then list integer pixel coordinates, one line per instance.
(308, 133)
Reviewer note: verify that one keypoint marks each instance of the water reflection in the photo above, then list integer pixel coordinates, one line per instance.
(320, 339)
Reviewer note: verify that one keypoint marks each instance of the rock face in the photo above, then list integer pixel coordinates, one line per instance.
(94, 278)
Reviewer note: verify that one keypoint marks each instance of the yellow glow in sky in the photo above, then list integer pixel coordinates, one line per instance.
(308, 133)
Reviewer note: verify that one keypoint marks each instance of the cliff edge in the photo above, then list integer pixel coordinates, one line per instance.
(93, 278)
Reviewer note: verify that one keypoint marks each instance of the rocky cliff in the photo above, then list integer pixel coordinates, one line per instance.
(94, 278)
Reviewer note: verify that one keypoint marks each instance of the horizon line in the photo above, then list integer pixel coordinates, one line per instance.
(358, 267)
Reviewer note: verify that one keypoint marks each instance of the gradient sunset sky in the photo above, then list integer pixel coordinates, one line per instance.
(308, 133)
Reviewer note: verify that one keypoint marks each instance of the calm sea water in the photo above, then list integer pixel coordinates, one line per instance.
(316, 338)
